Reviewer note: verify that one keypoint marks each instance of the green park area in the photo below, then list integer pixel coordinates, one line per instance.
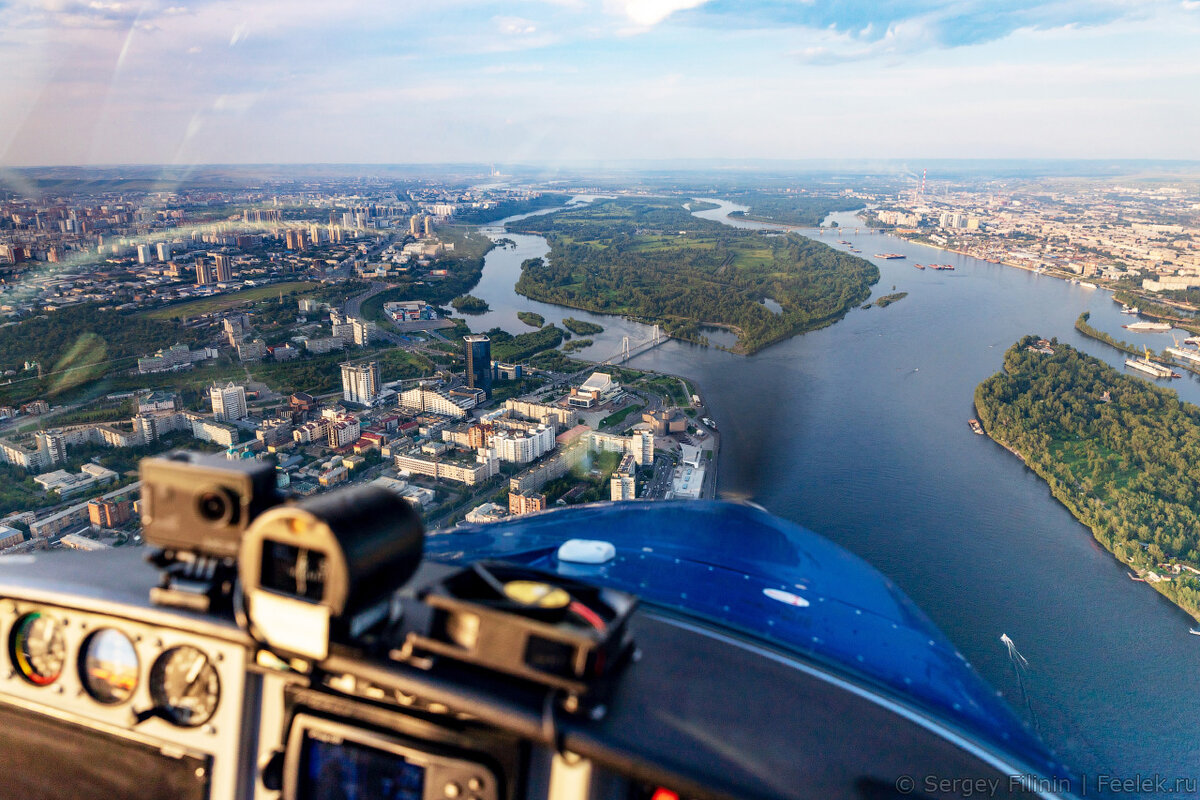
(652, 260)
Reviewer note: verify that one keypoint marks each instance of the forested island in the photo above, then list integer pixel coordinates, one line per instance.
(1122, 454)
(803, 211)
(581, 327)
(470, 304)
(531, 318)
(651, 260)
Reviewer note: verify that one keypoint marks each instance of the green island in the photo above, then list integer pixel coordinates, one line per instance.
(790, 209)
(651, 260)
(470, 304)
(577, 344)
(581, 327)
(1122, 454)
(888, 299)
(531, 319)
(700, 205)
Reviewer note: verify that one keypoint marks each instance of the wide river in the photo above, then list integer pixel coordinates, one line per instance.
(859, 432)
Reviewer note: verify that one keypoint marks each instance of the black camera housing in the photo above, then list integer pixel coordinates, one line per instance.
(202, 504)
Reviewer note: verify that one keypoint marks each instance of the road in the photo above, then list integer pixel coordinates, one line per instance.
(660, 484)
(353, 305)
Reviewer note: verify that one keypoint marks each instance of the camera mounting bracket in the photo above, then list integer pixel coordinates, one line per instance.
(194, 582)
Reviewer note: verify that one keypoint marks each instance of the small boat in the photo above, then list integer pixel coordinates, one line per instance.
(919, 266)
(1193, 632)
(975, 426)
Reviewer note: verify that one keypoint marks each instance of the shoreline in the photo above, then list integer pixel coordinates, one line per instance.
(1067, 501)
(1158, 585)
(1065, 276)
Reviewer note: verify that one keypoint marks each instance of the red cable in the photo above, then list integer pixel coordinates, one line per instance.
(588, 615)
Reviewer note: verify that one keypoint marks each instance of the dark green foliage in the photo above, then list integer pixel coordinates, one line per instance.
(555, 361)
(791, 209)
(469, 304)
(581, 327)
(323, 373)
(531, 319)
(578, 344)
(335, 293)
(506, 347)
(629, 257)
(1081, 325)
(1129, 469)
(78, 345)
(888, 299)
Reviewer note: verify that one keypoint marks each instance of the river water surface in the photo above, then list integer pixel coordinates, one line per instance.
(859, 432)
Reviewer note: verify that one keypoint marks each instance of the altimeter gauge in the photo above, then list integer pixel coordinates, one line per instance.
(184, 686)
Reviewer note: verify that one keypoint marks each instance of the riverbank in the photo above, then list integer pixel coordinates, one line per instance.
(838, 430)
(654, 261)
(1108, 447)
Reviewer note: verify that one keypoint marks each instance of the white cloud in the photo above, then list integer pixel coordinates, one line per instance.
(647, 13)
(515, 26)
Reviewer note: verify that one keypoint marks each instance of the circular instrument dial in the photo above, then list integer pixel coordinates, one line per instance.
(109, 666)
(38, 648)
(184, 686)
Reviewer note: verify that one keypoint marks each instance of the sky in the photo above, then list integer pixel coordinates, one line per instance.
(556, 82)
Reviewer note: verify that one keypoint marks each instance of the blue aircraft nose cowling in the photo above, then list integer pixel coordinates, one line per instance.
(743, 569)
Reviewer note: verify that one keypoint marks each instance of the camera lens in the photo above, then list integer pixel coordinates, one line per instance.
(215, 506)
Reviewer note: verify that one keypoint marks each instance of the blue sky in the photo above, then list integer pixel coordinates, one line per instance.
(562, 81)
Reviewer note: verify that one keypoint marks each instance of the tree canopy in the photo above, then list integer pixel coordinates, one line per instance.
(652, 260)
(1122, 454)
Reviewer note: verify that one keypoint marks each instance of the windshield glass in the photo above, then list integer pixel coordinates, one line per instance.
(920, 277)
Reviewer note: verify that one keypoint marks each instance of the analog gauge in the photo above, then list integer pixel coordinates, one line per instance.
(109, 666)
(184, 686)
(38, 648)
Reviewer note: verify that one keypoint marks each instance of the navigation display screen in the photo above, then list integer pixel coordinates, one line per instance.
(348, 771)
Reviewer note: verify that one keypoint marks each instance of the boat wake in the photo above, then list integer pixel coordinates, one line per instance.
(1020, 667)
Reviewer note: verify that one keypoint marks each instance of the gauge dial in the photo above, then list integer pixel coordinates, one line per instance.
(184, 686)
(38, 648)
(109, 666)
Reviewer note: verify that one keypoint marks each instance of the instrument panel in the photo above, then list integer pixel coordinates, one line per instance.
(174, 689)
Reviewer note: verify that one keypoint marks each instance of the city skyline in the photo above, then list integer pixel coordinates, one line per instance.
(568, 81)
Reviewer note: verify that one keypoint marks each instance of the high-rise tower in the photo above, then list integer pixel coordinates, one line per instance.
(479, 362)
